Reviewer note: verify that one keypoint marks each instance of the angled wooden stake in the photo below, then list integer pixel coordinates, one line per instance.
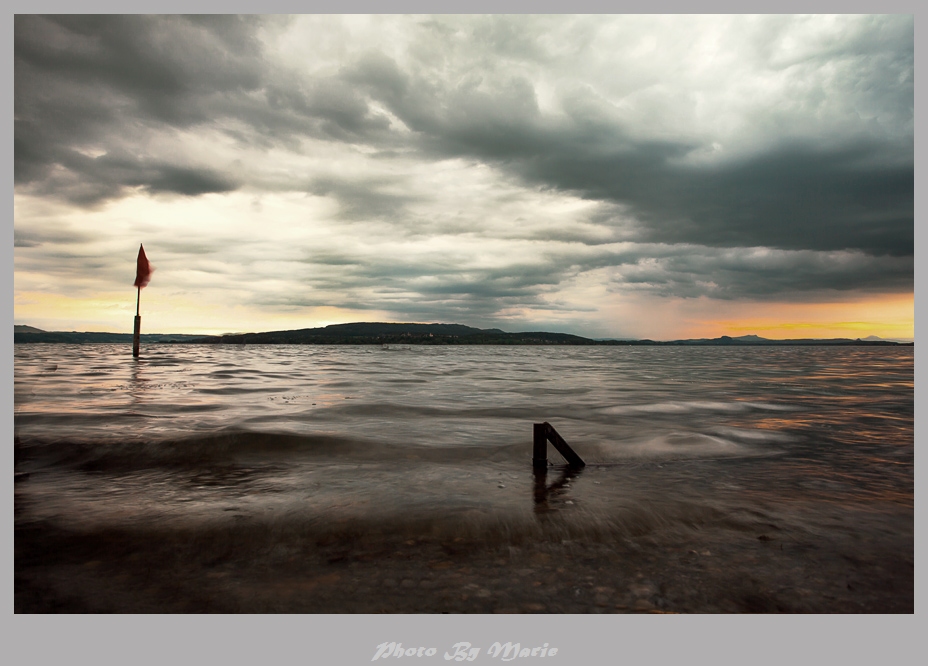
(544, 433)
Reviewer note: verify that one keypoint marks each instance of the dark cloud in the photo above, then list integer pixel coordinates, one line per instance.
(437, 287)
(88, 180)
(158, 64)
(108, 82)
(362, 199)
(55, 235)
(760, 275)
(809, 194)
(855, 194)
(795, 197)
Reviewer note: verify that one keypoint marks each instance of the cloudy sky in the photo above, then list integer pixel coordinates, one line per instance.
(624, 176)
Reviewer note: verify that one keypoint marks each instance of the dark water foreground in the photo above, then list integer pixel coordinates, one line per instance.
(332, 480)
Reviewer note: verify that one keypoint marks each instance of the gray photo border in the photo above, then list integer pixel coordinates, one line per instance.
(353, 639)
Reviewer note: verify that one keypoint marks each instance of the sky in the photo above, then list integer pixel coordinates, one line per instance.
(659, 177)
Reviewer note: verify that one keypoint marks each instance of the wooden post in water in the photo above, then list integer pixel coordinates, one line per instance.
(540, 450)
(138, 326)
(544, 433)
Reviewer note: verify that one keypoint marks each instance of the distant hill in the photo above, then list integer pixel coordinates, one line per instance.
(366, 333)
(755, 341)
(875, 338)
(378, 333)
(73, 337)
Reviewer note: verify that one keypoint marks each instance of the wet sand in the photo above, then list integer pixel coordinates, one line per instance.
(663, 557)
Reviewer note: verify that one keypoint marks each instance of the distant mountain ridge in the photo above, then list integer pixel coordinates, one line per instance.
(378, 333)
(31, 334)
(362, 333)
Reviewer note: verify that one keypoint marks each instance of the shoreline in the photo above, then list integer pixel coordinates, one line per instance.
(432, 566)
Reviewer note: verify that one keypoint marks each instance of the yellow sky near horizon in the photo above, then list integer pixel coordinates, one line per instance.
(886, 316)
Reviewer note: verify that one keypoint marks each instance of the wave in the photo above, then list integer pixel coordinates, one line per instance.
(683, 406)
(231, 445)
(677, 445)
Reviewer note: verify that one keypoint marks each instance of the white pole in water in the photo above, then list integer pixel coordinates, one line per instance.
(138, 326)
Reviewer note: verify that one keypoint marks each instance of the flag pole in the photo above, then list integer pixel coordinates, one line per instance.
(143, 271)
(138, 325)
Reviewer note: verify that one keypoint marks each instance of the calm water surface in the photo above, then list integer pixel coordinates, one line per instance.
(714, 450)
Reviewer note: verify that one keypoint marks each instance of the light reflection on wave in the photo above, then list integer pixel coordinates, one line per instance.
(187, 405)
(691, 406)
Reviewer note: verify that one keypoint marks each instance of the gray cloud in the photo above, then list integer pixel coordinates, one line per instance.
(87, 180)
(107, 82)
(759, 274)
(850, 192)
(159, 65)
(779, 165)
(794, 198)
(52, 234)
(439, 288)
(362, 200)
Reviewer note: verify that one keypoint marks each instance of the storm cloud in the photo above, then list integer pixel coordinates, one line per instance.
(484, 169)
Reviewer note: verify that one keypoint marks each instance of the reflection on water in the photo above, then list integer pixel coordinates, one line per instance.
(136, 384)
(554, 491)
(810, 413)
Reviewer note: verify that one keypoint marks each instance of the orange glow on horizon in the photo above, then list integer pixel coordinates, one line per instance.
(888, 316)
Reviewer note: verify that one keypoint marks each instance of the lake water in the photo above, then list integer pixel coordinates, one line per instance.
(359, 478)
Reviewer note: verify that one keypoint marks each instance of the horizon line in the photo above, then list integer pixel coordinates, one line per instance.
(596, 339)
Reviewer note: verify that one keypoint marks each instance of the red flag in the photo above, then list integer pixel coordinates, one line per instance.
(143, 270)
